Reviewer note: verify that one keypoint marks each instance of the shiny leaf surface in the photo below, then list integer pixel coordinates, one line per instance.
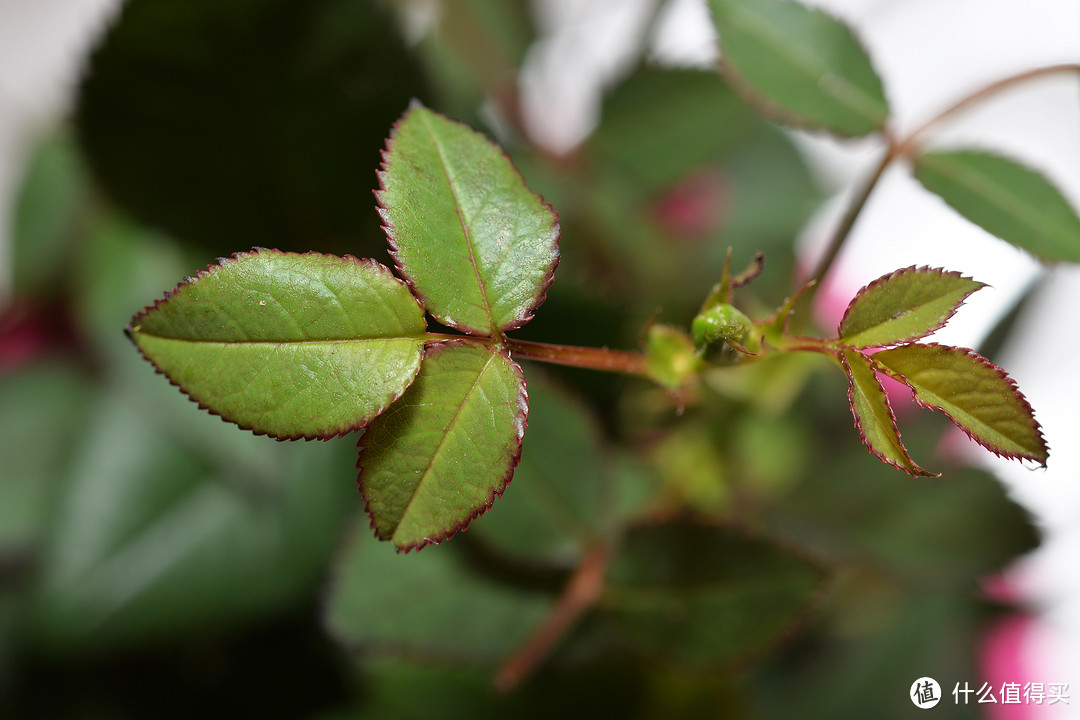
(874, 418)
(287, 345)
(477, 246)
(973, 392)
(441, 455)
(905, 305)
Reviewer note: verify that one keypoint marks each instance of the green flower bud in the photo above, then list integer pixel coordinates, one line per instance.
(721, 322)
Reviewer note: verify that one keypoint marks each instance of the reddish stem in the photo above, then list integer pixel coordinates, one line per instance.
(907, 145)
(581, 593)
(621, 361)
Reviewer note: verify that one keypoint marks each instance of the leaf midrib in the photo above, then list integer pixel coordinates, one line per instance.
(443, 162)
(276, 343)
(442, 442)
(996, 193)
(966, 419)
(854, 99)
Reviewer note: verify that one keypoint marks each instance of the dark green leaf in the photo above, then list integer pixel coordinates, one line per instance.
(659, 125)
(287, 345)
(42, 410)
(441, 455)
(477, 246)
(253, 119)
(433, 605)
(974, 393)
(799, 65)
(874, 418)
(707, 595)
(158, 534)
(1006, 199)
(46, 213)
(902, 306)
(561, 487)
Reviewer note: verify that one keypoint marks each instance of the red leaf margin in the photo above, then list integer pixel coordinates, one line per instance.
(892, 420)
(213, 268)
(941, 272)
(521, 423)
(1019, 396)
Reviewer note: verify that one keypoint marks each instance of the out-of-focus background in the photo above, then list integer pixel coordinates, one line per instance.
(207, 128)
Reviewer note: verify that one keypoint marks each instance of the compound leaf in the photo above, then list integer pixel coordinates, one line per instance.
(476, 245)
(874, 418)
(706, 595)
(1006, 199)
(800, 66)
(287, 345)
(439, 456)
(902, 306)
(974, 393)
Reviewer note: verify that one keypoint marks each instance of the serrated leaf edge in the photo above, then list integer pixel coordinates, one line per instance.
(914, 470)
(941, 272)
(521, 422)
(1024, 404)
(388, 229)
(213, 268)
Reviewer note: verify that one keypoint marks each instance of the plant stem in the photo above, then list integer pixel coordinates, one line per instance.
(906, 146)
(620, 361)
(581, 593)
(847, 223)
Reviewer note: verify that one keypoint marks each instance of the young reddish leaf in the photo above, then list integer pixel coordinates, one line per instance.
(903, 306)
(476, 245)
(442, 454)
(705, 595)
(974, 393)
(800, 66)
(287, 345)
(1006, 199)
(874, 418)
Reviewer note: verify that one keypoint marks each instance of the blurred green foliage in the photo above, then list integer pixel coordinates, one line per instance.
(155, 562)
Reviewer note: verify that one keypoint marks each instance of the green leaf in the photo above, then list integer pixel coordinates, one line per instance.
(903, 306)
(562, 487)
(1006, 199)
(874, 418)
(43, 408)
(476, 245)
(441, 455)
(707, 595)
(46, 215)
(433, 605)
(160, 532)
(800, 66)
(251, 119)
(287, 345)
(975, 394)
(658, 125)
(671, 357)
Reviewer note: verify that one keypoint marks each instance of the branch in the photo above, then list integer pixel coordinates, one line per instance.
(581, 593)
